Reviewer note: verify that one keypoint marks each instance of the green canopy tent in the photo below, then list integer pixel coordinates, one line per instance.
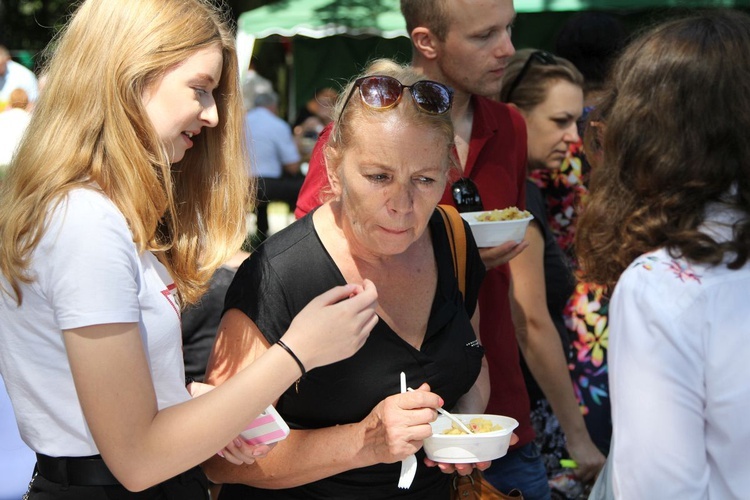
(328, 41)
(530, 6)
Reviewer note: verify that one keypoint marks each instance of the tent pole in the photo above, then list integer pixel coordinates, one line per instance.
(245, 44)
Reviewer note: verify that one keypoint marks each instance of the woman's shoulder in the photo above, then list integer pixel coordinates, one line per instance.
(535, 201)
(89, 202)
(666, 265)
(295, 234)
(294, 250)
(659, 270)
(673, 283)
(89, 210)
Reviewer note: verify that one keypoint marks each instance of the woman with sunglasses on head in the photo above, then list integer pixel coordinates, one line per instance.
(388, 162)
(548, 92)
(667, 229)
(127, 192)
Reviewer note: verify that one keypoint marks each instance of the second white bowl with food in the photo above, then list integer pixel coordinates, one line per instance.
(495, 227)
(491, 442)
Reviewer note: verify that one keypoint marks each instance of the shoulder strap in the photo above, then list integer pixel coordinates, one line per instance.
(454, 226)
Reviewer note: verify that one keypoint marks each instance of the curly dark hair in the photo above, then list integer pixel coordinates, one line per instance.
(673, 140)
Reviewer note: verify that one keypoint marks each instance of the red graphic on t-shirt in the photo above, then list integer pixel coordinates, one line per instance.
(171, 295)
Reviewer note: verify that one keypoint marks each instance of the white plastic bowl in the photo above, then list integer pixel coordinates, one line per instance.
(469, 448)
(496, 232)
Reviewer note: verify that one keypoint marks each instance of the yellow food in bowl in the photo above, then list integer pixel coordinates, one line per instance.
(510, 213)
(476, 425)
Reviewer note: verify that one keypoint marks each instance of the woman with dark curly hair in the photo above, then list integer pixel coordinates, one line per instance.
(668, 222)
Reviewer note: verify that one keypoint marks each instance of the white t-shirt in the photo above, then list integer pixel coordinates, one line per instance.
(87, 272)
(679, 360)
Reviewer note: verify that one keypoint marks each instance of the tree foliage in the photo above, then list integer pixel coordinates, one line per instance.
(29, 25)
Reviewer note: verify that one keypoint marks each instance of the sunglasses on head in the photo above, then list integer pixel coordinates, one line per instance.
(540, 56)
(466, 195)
(384, 92)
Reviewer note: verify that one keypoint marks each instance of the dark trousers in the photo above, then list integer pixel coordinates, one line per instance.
(190, 485)
(285, 188)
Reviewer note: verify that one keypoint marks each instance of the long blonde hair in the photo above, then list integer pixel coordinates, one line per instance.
(90, 127)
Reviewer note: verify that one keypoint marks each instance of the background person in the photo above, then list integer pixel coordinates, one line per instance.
(14, 76)
(253, 83)
(13, 123)
(591, 41)
(388, 161)
(548, 92)
(668, 222)
(200, 321)
(311, 120)
(319, 107)
(466, 45)
(276, 160)
(126, 193)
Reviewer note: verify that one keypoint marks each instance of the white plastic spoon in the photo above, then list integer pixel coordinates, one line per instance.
(409, 464)
(452, 417)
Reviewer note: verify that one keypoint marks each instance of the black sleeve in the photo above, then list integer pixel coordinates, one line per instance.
(257, 291)
(538, 208)
(475, 271)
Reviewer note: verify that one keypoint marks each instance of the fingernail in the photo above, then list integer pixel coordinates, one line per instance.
(442, 403)
(221, 454)
(237, 442)
(257, 453)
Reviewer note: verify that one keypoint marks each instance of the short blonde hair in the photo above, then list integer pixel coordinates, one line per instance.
(348, 116)
(90, 127)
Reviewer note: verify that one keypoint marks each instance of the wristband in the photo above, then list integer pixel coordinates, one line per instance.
(294, 356)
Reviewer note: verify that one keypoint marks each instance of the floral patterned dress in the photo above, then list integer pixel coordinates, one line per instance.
(586, 314)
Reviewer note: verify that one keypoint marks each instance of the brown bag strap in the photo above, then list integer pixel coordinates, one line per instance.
(476, 487)
(463, 488)
(454, 226)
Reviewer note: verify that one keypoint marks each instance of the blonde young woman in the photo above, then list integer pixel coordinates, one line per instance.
(127, 192)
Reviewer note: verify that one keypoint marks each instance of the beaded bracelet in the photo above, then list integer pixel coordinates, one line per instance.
(287, 349)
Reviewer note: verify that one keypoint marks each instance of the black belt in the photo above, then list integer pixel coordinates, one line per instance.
(75, 471)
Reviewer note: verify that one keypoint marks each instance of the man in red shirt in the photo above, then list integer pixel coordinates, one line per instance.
(465, 44)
